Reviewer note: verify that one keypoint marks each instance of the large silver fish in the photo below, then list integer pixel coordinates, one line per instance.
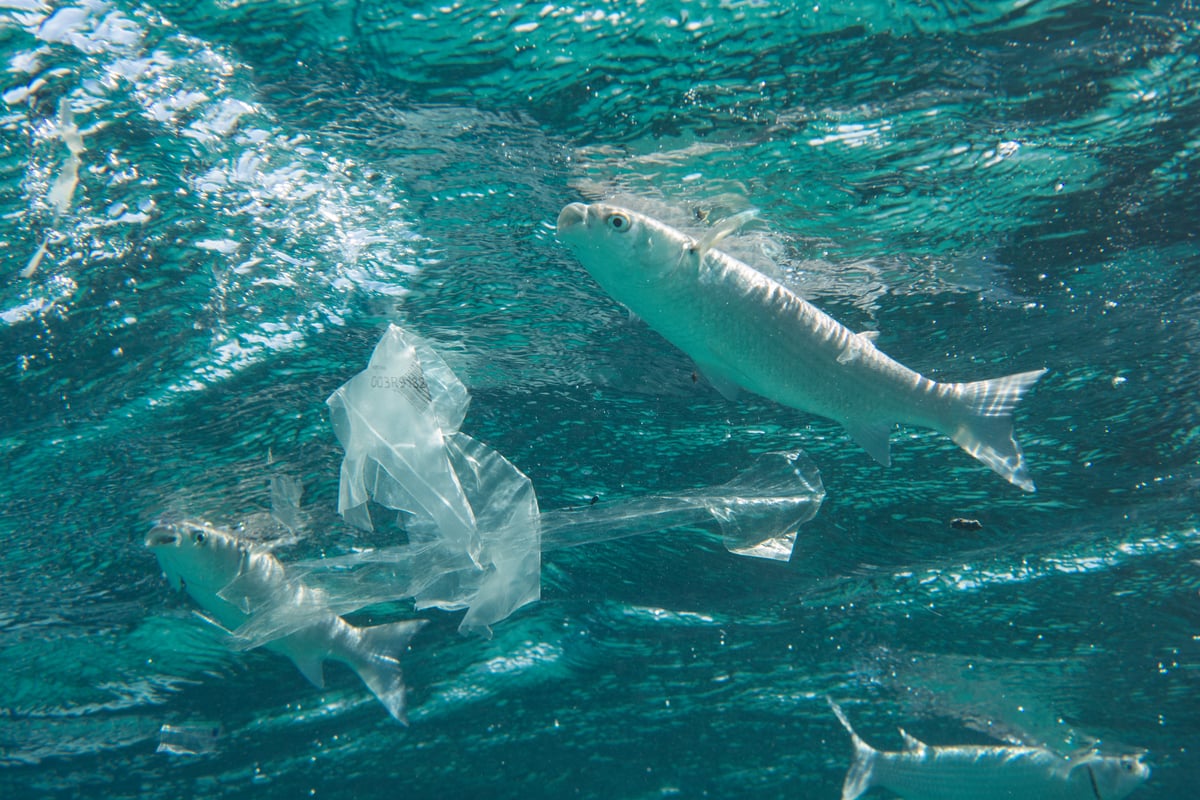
(970, 772)
(744, 329)
(232, 580)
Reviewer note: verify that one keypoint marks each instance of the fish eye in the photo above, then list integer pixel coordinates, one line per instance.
(618, 222)
(198, 537)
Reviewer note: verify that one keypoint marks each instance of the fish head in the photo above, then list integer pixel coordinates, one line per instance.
(1114, 777)
(197, 557)
(623, 250)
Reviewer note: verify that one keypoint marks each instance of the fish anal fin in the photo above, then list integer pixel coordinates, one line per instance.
(726, 387)
(311, 666)
(872, 437)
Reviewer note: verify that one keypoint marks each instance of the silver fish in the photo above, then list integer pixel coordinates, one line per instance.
(744, 329)
(969, 772)
(232, 579)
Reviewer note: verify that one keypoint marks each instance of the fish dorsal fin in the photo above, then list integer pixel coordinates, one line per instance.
(1064, 765)
(312, 667)
(1079, 757)
(872, 437)
(713, 236)
(912, 743)
(858, 343)
(1089, 752)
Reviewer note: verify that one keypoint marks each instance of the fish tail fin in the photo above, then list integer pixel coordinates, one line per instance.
(374, 653)
(983, 426)
(862, 770)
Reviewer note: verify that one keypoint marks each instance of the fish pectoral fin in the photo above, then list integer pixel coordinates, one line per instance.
(1079, 757)
(238, 591)
(714, 235)
(213, 622)
(872, 437)
(848, 355)
(312, 667)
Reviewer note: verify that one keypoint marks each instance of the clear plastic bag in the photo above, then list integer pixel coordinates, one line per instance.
(475, 533)
(398, 422)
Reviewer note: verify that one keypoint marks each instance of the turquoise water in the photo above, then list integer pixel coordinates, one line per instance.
(264, 186)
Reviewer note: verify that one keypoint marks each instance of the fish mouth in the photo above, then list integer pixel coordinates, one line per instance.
(162, 536)
(572, 215)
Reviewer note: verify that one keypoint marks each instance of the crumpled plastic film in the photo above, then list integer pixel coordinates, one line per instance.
(475, 533)
(759, 511)
(506, 511)
(392, 420)
(398, 422)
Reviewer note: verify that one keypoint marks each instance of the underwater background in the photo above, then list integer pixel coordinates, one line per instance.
(261, 186)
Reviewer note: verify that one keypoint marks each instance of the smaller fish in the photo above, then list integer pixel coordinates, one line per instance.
(973, 772)
(232, 579)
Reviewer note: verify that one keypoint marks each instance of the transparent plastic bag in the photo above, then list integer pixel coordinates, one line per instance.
(398, 422)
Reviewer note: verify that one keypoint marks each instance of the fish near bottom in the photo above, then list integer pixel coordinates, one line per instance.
(973, 772)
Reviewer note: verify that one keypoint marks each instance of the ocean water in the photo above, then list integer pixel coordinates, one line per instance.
(212, 210)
